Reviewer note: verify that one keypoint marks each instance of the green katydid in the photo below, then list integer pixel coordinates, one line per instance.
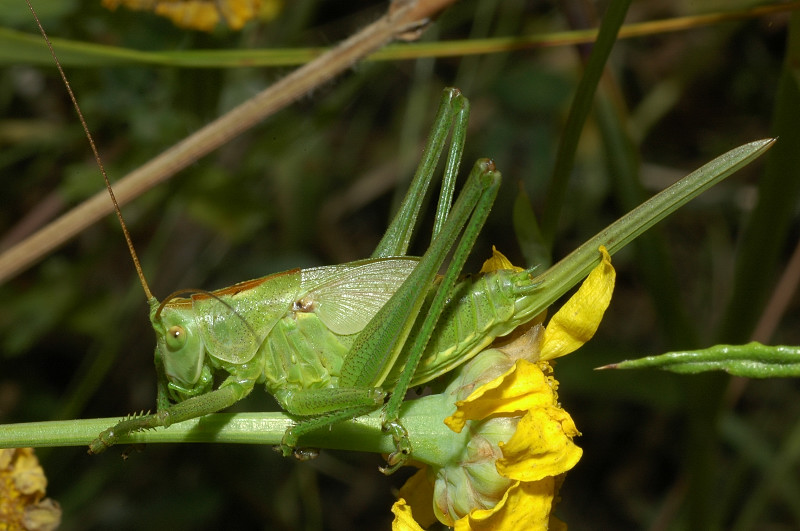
(330, 343)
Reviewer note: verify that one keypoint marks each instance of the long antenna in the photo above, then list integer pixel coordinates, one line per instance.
(136, 264)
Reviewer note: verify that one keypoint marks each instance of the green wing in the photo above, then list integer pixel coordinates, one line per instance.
(345, 297)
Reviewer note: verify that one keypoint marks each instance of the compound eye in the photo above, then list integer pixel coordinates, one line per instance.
(176, 337)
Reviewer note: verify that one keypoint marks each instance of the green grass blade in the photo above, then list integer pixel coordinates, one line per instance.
(579, 111)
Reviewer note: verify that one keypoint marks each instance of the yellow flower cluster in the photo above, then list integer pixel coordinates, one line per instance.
(530, 465)
(22, 487)
(204, 15)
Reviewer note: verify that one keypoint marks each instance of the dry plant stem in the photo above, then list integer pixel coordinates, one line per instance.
(697, 21)
(46, 209)
(404, 16)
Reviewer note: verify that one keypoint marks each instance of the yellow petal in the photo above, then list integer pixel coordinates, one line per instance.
(521, 388)
(403, 520)
(577, 321)
(418, 491)
(497, 262)
(541, 446)
(524, 506)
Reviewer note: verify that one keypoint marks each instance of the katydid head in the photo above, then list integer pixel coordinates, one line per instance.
(179, 345)
(194, 336)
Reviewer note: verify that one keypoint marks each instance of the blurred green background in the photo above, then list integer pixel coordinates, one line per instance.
(661, 451)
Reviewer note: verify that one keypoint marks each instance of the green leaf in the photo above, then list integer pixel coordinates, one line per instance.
(752, 360)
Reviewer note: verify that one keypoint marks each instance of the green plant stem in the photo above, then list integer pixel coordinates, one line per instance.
(423, 418)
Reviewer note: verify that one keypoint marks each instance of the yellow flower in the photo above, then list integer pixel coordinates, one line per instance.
(22, 486)
(520, 440)
(204, 15)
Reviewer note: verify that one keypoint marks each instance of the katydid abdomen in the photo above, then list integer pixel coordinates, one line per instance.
(481, 308)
